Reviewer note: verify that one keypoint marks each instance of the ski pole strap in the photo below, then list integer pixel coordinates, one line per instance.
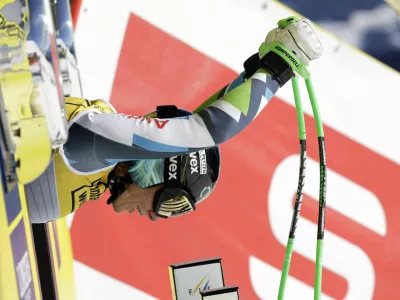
(273, 63)
(278, 67)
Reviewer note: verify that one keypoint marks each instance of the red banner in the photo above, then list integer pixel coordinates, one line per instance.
(238, 222)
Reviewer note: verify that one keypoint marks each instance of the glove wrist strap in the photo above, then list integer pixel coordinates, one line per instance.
(273, 63)
(278, 67)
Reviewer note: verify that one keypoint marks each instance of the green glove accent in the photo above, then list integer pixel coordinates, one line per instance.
(285, 22)
(296, 64)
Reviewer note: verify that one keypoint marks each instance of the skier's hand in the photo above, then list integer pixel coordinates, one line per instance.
(297, 35)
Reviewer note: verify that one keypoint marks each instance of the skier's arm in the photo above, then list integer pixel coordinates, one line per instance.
(98, 141)
(110, 137)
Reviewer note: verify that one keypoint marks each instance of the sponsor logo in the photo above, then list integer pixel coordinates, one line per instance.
(88, 192)
(200, 287)
(172, 169)
(289, 56)
(159, 123)
(203, 162)
(10, 28)
(205, 192)
(194, 164)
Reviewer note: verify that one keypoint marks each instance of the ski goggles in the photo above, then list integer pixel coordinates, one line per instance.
(174, 199)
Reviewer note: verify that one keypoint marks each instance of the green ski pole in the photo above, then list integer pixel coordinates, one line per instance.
(301, 69)
(299, 193)
(322, 190)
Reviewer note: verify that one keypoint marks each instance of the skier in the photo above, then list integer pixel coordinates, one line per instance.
(165, 163)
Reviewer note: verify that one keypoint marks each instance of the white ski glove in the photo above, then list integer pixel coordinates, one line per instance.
(295, 41)
(299, 36)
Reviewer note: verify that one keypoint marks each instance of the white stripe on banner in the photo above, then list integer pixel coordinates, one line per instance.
(265, 280)
(100, 286)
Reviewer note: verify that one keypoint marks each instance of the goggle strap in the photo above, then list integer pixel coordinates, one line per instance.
(172, 173)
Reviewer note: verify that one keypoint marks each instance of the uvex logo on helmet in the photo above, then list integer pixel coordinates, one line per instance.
(172, 168)
(195, 163)
(203, 162)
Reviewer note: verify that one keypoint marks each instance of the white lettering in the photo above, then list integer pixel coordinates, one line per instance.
(194, 163)
(339, 253)
(173, 167)
(203, 162)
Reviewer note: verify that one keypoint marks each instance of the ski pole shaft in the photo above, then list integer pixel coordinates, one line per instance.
(322, 191)
(299, 194)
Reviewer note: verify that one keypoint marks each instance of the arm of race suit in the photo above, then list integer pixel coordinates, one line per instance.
(99, 141)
